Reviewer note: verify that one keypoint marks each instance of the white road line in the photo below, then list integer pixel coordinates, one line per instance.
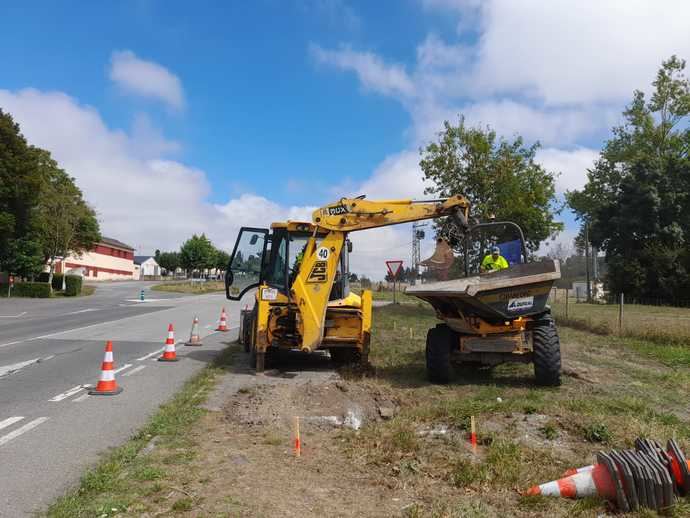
(69, 393)
(9, 369)
(48, 358)
(81, 398)
(10, 421)
(125, 366)
(82, 311)
(14, 316)
(135, 370)
(154, 353)
(21, 430)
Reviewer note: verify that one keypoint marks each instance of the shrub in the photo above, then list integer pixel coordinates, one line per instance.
(57, 280)
(73, 285)
(38, 290)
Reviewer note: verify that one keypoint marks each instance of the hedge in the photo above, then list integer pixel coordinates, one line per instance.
(37, 290)
(72, 283)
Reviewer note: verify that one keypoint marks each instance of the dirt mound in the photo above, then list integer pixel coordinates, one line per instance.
(321, 405)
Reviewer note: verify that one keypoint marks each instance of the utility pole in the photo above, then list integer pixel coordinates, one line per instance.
(587, 260)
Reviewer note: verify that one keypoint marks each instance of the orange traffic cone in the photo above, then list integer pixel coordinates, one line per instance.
(223, 324)
(107, 386)
(194, 338)
(596, 481)
(169, 354)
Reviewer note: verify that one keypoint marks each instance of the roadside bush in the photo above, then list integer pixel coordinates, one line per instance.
(37, 290)
(73, 285)
(57, 279)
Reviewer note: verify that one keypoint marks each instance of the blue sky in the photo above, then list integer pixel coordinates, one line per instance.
(177, 118)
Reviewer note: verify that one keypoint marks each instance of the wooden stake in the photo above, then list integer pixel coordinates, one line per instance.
(295, 435)
(411, 334)
(473, 434)
(620, 315)
(567, 296)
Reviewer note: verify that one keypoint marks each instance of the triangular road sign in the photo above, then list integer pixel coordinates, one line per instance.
(394, 267)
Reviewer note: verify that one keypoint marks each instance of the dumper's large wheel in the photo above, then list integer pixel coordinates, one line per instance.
(439, 341)
(546, 353)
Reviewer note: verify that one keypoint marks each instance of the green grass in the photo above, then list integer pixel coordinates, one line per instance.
(124, 475)
(193, 288)
(657, 324)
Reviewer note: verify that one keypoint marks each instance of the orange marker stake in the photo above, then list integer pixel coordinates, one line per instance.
(473, 434)
(295, 433)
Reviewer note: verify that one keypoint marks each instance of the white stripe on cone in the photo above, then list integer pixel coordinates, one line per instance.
(108, 357)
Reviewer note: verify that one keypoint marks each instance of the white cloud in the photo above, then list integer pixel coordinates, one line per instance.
(141, 197)
(572, 164)
(146, 78)
(567, 52)
(373, 73)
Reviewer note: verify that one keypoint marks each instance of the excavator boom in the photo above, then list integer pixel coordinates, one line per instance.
(352, 214)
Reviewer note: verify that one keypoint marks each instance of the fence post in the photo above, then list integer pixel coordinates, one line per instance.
(620, 314)
(567, 296)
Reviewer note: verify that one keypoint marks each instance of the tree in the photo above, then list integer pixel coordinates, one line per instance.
(637, 197)
(499, 177)
(67, 224)
(197, 253)
(169, 261)
(20, 188)
(222, 260)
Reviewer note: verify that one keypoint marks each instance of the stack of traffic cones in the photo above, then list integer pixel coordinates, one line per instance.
(223, 323)
(107, 386)
(194, 338)
(647, 477)
(169, 354)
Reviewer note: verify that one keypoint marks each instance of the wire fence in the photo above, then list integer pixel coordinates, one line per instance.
(659, 320)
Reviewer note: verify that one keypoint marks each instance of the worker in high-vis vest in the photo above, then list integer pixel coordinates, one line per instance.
(494, 261)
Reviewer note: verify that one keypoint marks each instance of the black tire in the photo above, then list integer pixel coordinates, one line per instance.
(546, 353)
(439, 341)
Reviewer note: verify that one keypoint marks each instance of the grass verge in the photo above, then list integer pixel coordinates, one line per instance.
(656, 324)
(129, 472)
(193, 288)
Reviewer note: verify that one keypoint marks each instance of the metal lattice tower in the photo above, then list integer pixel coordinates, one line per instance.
(417, 236)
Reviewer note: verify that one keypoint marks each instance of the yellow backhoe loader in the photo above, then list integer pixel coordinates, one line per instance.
(300, 271)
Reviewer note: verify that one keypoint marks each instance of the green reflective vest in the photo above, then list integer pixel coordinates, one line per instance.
(489, 264)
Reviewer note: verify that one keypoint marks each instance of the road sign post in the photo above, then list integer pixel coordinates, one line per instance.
(394, 268)
(10, 285)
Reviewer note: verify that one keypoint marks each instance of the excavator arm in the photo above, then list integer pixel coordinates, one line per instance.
(351, 214)
(313, 284)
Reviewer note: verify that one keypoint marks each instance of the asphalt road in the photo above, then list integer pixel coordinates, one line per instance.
(51, 430)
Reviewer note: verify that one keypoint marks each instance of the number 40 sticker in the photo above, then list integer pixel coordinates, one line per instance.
(323, 253)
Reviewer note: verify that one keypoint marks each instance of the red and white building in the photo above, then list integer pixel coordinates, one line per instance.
(109, 260)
